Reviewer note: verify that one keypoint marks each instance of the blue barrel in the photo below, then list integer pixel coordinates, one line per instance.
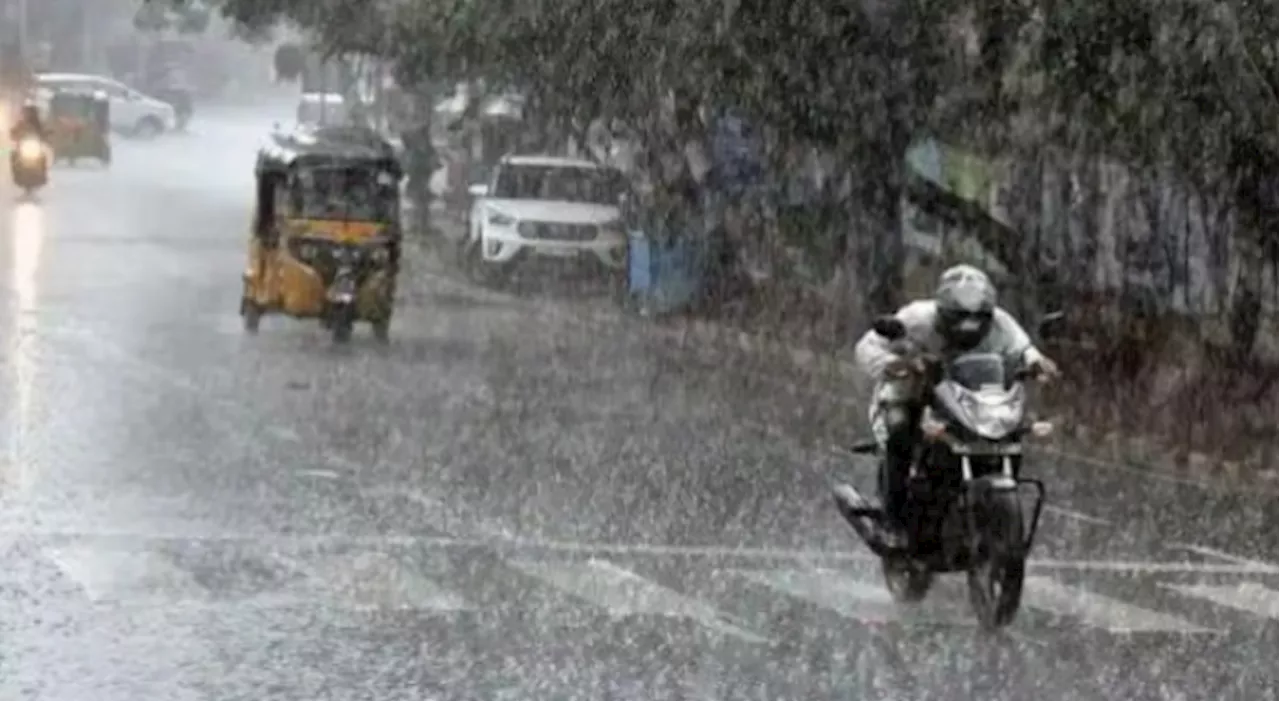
(664, 275)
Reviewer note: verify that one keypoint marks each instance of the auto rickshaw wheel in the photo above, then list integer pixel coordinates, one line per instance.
(485, 274)
(382, 330)
(252, 315)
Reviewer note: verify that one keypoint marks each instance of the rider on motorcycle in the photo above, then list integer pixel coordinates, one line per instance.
(962, 317)
(28, 124)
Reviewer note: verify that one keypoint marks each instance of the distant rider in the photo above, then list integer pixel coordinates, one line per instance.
(29, 124)
(962, 317)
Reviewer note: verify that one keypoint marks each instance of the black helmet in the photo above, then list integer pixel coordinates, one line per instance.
(966, 302)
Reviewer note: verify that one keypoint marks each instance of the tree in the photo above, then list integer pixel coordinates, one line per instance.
(1182, 84)
(1175, 86)
(182, 16)
(579, 59)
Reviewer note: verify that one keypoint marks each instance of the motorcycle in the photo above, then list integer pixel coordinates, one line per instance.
(964, 496)
(352, 266)
(29, 164)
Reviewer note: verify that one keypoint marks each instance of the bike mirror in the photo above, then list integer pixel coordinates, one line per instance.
(889, 327)
(1050, 321)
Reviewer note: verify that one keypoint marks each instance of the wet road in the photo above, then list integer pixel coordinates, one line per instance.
(501, 504)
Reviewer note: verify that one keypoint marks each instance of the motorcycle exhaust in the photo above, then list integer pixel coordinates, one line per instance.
(864, 517)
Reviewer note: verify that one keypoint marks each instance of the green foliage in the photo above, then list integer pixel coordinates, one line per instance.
(1141, 81)
(183, 16)
(290, 61)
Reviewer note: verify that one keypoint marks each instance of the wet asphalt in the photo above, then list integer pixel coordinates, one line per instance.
(503, 503)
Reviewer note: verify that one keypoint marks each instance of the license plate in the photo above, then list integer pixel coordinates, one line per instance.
(987, 449)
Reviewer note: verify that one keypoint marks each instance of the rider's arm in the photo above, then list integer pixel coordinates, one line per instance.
(1017, 342)
(874, 352)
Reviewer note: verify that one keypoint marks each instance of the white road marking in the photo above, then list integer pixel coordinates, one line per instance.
(126, 577)
(856, 599)
(602, 549)
(1076, 515)
(622, 593)
(369, 581)
(342, 462)
(1220, 555)
(443, 517)
(1099, 611)
(284, 433)
(1250, 597)
(319, 474)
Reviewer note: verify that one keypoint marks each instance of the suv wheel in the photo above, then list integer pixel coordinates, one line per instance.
(148, 128)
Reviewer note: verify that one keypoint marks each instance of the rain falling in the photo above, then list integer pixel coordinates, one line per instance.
(595, 350)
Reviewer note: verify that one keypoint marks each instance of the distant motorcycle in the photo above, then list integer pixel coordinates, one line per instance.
(29, 164)
(965, 513)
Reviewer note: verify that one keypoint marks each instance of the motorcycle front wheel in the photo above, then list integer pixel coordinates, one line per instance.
(996, 577)
(342, 329)
(906, 581)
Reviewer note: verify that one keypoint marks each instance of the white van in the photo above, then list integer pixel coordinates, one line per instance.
(321, 109)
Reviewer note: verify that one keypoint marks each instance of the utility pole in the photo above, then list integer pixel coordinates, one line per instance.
(23, 39)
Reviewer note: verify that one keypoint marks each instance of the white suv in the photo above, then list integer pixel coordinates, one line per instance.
(547, 206)
(131, 111)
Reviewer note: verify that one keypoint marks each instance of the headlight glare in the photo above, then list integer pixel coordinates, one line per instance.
(30, 150)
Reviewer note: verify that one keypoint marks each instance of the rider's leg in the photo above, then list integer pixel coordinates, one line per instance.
(895, 423)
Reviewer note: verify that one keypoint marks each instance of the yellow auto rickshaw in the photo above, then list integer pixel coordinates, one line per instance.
(326, 232)
(79, 125)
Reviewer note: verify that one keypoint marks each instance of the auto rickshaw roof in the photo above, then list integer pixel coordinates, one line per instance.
(318, 146)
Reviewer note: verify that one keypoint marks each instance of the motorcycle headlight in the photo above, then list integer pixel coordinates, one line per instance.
(30, 150)
(995, 420)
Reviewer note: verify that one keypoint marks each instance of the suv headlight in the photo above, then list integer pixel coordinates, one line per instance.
(500, 219)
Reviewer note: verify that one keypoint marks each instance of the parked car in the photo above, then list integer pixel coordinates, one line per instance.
(132, 112)
(546, 207)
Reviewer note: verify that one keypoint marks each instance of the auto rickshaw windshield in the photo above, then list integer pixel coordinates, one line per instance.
(351, 194)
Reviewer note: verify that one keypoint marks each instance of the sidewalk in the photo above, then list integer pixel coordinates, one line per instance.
(817, 372)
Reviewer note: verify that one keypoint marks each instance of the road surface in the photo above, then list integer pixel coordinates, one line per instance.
(501, 504)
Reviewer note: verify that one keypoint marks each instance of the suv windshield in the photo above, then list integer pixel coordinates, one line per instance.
(353, 194)
(558, 183)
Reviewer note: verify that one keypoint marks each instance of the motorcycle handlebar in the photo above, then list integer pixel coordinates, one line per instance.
(928, 364)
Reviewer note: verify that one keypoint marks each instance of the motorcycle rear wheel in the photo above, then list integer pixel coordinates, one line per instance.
(995, 580)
